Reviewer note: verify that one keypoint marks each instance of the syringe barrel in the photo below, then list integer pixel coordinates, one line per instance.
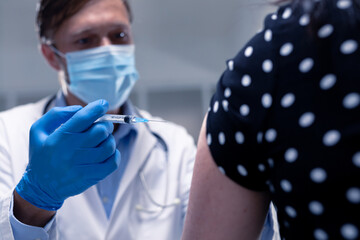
(123, 119)
(116, 118)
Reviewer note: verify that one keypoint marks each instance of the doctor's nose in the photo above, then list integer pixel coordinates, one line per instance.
(105, 41)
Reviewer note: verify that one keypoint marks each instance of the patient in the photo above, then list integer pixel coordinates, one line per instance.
(290, 101)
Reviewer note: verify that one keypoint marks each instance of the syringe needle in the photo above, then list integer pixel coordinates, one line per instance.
(152, 120)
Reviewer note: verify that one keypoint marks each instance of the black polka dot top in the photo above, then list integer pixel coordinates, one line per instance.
(285, 119)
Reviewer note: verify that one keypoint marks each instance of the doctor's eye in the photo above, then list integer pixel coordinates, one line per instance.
(84, 41)
(120, 38)
(120, 35)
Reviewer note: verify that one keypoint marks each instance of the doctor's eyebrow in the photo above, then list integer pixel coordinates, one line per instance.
(90, 30)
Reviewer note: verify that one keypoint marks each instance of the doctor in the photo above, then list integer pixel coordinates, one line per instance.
(69, 181)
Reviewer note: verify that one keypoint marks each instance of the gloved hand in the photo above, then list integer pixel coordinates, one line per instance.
(68, 154)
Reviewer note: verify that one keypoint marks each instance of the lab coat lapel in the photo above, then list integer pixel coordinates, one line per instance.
(143, 145)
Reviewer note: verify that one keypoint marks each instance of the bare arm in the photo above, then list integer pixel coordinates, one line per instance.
(28, 214)
(218, 207)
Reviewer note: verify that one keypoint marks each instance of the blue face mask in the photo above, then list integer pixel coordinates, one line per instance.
(106, 72)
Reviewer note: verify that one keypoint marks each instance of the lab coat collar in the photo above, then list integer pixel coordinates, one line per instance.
(144, 144)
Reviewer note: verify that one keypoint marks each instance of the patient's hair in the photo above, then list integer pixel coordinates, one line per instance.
(52, 13)
(308, 5)
(317, 9)
(357, 2)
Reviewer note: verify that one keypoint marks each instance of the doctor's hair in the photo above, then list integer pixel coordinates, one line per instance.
(52, 13)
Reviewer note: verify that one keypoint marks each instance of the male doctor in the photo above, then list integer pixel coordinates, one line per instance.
(75, 178)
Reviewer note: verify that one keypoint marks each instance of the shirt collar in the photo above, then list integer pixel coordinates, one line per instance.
(124, 129)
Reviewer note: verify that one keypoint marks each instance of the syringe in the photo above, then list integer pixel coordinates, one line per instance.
(124, 119)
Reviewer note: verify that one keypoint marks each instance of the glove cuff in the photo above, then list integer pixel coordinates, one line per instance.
(34, 195)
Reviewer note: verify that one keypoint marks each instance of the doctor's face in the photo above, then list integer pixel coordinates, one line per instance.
(98, 23)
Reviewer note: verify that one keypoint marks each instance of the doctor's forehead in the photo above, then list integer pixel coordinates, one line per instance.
(52, 14)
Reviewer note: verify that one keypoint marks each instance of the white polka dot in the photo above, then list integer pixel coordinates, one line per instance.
(266, 100)
(306, 119)
(286, 185)
(244, 110)
(249, 51)
(349, 47)
(271, 162)
(328, 81)
(287, 13)
(216, 106)
(320, 234)
(356, 159)
(267, 66)
(290, 211)
(261, 167)
(343, 4)
(349, 231)
(274, 16)
(316, 208)
(208, 139)
(306, 65)
(221, 138)
(242, 170)
(331, 138)
(222, 170)
(209, 109)
(304, 20)
(352, 100)
(318, 175)
(270, 135)
(227, 92)
(325, 31)
(291, 155)
(246, 80)
(286, 49)
(353, 195)
(231, 65)
(225, 105)
(259, 137)
(268, 35)
(287, 100)
(239, 137)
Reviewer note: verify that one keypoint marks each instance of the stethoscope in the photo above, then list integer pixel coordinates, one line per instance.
(160, 206)
(164, 204)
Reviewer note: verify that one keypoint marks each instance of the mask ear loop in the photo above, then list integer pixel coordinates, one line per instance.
(56, 51)
(50, 44)
(63, 83)
(61, 75)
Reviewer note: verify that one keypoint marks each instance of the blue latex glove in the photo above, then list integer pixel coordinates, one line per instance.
(68, 154)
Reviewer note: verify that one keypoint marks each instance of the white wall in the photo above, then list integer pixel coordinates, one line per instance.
(182, 47)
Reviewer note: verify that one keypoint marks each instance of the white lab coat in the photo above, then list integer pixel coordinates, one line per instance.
(83, 216)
